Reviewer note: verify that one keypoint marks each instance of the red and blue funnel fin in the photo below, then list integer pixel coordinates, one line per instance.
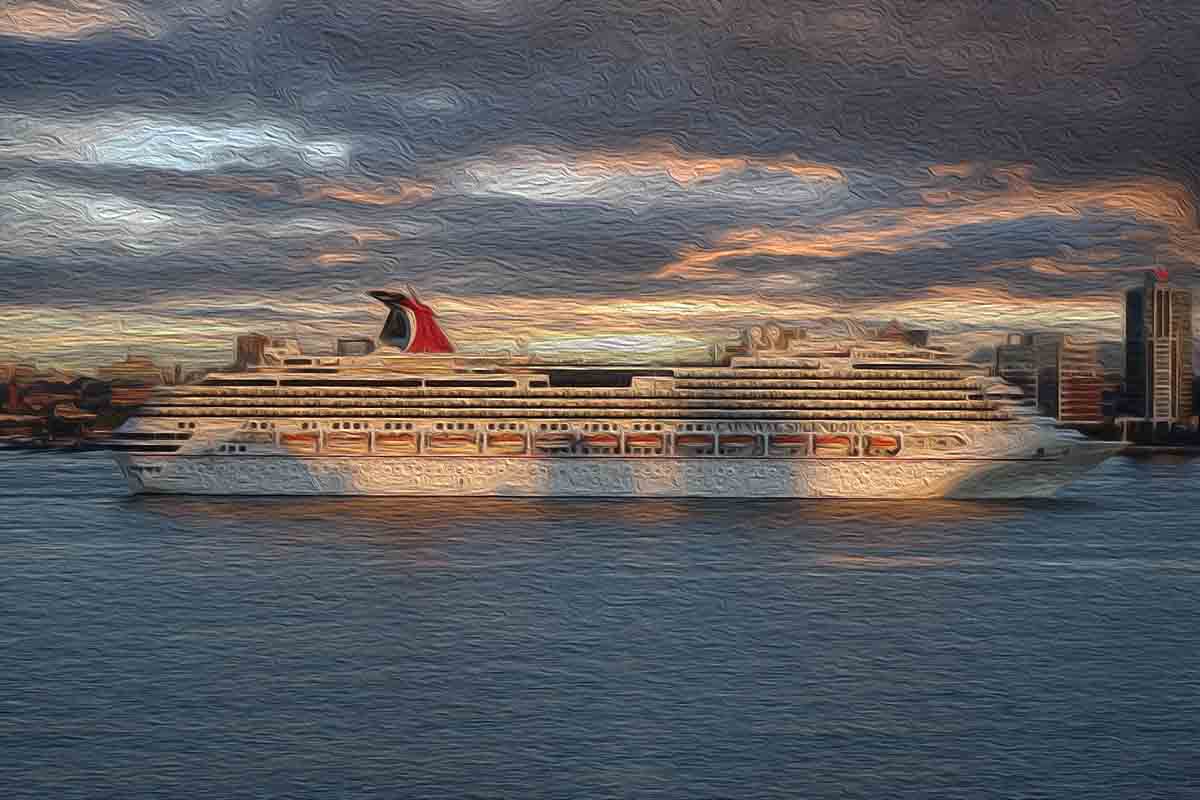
(411, 326)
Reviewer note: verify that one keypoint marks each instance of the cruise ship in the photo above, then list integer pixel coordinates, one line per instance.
(779, 411)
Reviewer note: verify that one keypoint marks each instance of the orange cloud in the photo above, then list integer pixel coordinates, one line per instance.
(685, 168)
(35, 20)
(696, 262)
(218, 183)
(964, 169)
(340, 258)
(397, 192)
(1149, 200)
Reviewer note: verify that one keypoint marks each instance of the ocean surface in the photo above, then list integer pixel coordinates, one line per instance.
(408, 648)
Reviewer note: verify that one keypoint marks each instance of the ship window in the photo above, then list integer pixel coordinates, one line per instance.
(241, 448)
(465, 384)
(338, 384)
(238, 382)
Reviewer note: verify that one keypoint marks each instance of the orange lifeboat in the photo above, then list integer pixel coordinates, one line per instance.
(835, 446)
(609, 440)
(346, 442)
(878, 445)
(506, 442)
(300, 442)
(694, 440)
(653, 441)
(440, 442)
(396, 443)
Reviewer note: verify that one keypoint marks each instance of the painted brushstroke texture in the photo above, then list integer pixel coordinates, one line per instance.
(586, 176)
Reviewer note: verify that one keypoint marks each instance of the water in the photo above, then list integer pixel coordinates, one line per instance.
(397, 648)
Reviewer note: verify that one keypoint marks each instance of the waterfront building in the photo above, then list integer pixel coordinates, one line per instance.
(134, 370)
(13, 375)
(1079, 383)
(1030, 361)
(1158, 352)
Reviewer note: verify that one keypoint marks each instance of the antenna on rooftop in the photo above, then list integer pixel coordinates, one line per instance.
(124, 336)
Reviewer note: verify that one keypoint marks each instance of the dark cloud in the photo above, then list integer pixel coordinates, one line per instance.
(554, 149)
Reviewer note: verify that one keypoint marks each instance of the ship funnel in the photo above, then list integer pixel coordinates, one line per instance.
(411, 326)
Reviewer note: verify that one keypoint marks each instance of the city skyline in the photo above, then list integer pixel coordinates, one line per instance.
(587, 176)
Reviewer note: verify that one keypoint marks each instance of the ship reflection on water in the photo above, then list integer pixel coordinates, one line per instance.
(614, 537)
(415, 515)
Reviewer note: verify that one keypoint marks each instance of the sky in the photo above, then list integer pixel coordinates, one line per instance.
(591, 176)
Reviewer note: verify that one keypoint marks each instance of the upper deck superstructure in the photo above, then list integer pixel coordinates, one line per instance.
(859, 403)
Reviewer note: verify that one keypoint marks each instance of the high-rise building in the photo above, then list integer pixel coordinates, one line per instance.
(1158, 351)
(1029, 360)
(1080, 383)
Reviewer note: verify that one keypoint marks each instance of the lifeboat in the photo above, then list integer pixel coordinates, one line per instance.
(791, 441)
(346, 442)
(653, 441)
(835, 446)
(694, 441)
(506, 442)
(609, 440)
(300, 442)
(398, 443)
(738, 443)
(878, 445)
(554, 442)
(441, 442)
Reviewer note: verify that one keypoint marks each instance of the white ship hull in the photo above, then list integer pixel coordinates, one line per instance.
(610, 476)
